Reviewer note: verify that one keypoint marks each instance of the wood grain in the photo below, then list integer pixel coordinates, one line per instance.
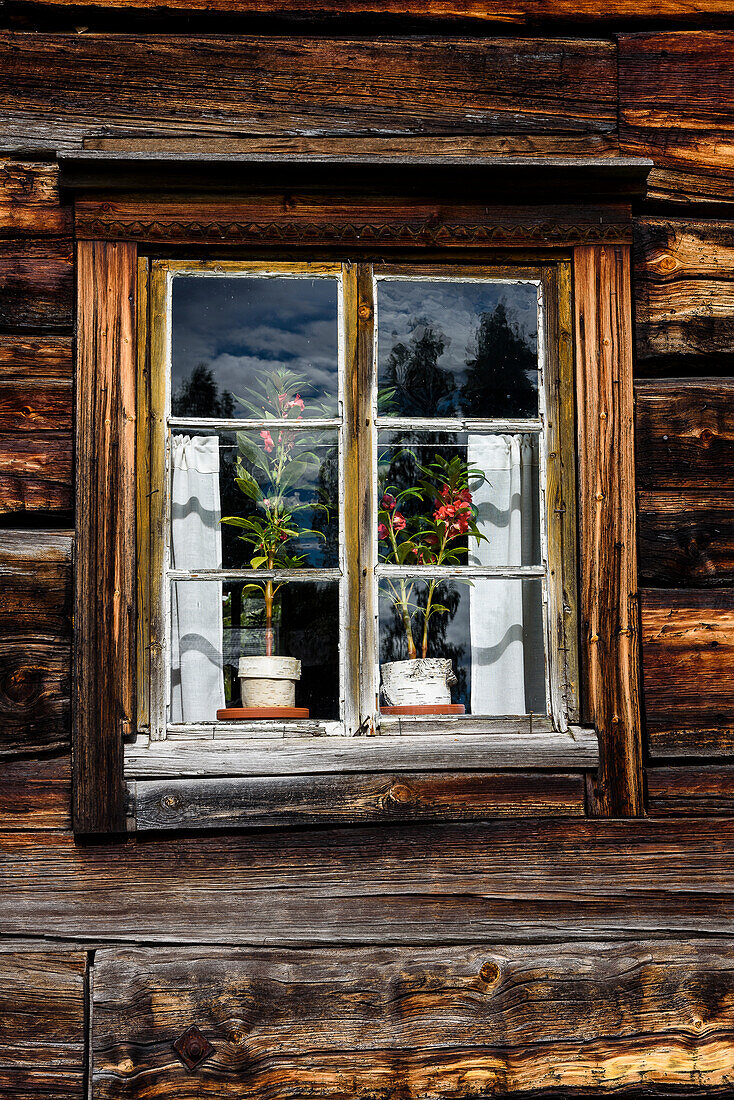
(35, 472)
(42, 1024)
(104, 654)
(30, 358)
(608, 559)
(35, 585)
(507, 881)
(34, 696)
(35, 794)
(36, 284)
(676, 91)
(684, 295)
(573, 1019)
(690, 790)
(58, 89)
(685, 434)
(322, 799)
(688, 655)
(686, 538)
(30, 203)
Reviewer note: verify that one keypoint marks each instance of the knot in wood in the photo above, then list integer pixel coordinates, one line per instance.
(401, 794)
(707, 435)
(170, 802)
(489, 973)
(365, 311)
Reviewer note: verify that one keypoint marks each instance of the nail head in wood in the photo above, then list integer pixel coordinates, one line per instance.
(192, 1048)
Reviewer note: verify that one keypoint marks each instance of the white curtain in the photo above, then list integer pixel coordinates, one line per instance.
(505, 615)
(197, 682)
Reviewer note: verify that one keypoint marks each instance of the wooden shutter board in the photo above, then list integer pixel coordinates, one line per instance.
(104, 623)
(608, 556)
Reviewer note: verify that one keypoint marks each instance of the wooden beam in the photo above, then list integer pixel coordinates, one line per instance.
(608, 558)
(104, 620)
(690, 790)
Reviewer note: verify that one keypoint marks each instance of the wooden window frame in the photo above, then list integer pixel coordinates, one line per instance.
(384, 782)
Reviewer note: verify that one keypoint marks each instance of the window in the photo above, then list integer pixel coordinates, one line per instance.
(358, 514)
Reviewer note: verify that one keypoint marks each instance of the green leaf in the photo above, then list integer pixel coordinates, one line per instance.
(258, 561)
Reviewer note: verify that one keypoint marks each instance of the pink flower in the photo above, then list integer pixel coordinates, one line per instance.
(398, 521)
(267, 440)
(266, 502)
(296, 403)
(388, 502)
(381, 531)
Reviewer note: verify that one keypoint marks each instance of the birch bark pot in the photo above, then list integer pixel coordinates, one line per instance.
(421, 682)
(269, 681)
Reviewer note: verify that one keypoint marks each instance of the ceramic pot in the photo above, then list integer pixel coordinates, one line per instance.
(269, 681)
(425, 681)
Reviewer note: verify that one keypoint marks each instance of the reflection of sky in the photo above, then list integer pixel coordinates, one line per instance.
(454, 309)
(243, 324)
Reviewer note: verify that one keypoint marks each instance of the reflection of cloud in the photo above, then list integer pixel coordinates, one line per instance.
(242, 324)
(454, 309)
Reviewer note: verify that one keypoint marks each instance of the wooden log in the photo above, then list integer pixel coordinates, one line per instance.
(35, 472)
(34, 696)
(688, 654)
(35, 407)
(182, 85)
(105, 545)
(30, 204)
(507, 881)
(690, 790)
(309, 756)
(684, 295)
(685, 434)
(676, 91)
(36, 286)
(35, 794)
(686, 538)
(439, 1023)
(280, 800)
(42, 1024)
(35, 585)
(607, 538)
(28, 358)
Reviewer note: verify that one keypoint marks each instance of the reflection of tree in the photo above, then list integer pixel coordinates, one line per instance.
(393, 642)
(422, 388)
(498, 376)
(198, 395)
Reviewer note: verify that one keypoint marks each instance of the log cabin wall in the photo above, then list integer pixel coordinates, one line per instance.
(525, 956)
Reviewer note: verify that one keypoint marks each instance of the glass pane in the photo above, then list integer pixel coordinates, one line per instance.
(215, 624)
(248, 346)
(489, 631)
(450, 498)
(465, 349)
(251, 499)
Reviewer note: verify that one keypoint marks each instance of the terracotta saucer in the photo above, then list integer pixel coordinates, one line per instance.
(239, 714)
(428, 708)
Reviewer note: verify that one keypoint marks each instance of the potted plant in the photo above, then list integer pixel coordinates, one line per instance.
(278, 466)
(438, 533)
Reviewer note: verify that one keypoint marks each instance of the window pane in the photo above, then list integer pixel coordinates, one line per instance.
(239, 496)
(235, 338)
(488, 630)
(453, 498)
(214, 624)
(457, 348)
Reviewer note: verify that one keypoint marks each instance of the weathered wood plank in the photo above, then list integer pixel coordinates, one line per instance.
(688, 655)
(690, 790)
(36, 794)
(496, 1020)
(287, 800)
(322, 755)
(32, 406)
(35, 585)
(42, 1024)
(676, 91)
(104, 595)
(34, 696)
(684, 295)
(607, 540)
(35, 472)
(506, 881)
(30, 203)
(685, 434)
(686, 538)
(58, 89)
(36, 285)
(28, 358)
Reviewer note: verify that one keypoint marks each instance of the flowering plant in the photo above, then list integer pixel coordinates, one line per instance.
(278, 467)
(439, 534)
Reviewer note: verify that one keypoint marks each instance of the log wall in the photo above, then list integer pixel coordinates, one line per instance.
(550, 954)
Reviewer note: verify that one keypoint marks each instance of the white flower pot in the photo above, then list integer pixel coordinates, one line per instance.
(425, 681)
(269, 681)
